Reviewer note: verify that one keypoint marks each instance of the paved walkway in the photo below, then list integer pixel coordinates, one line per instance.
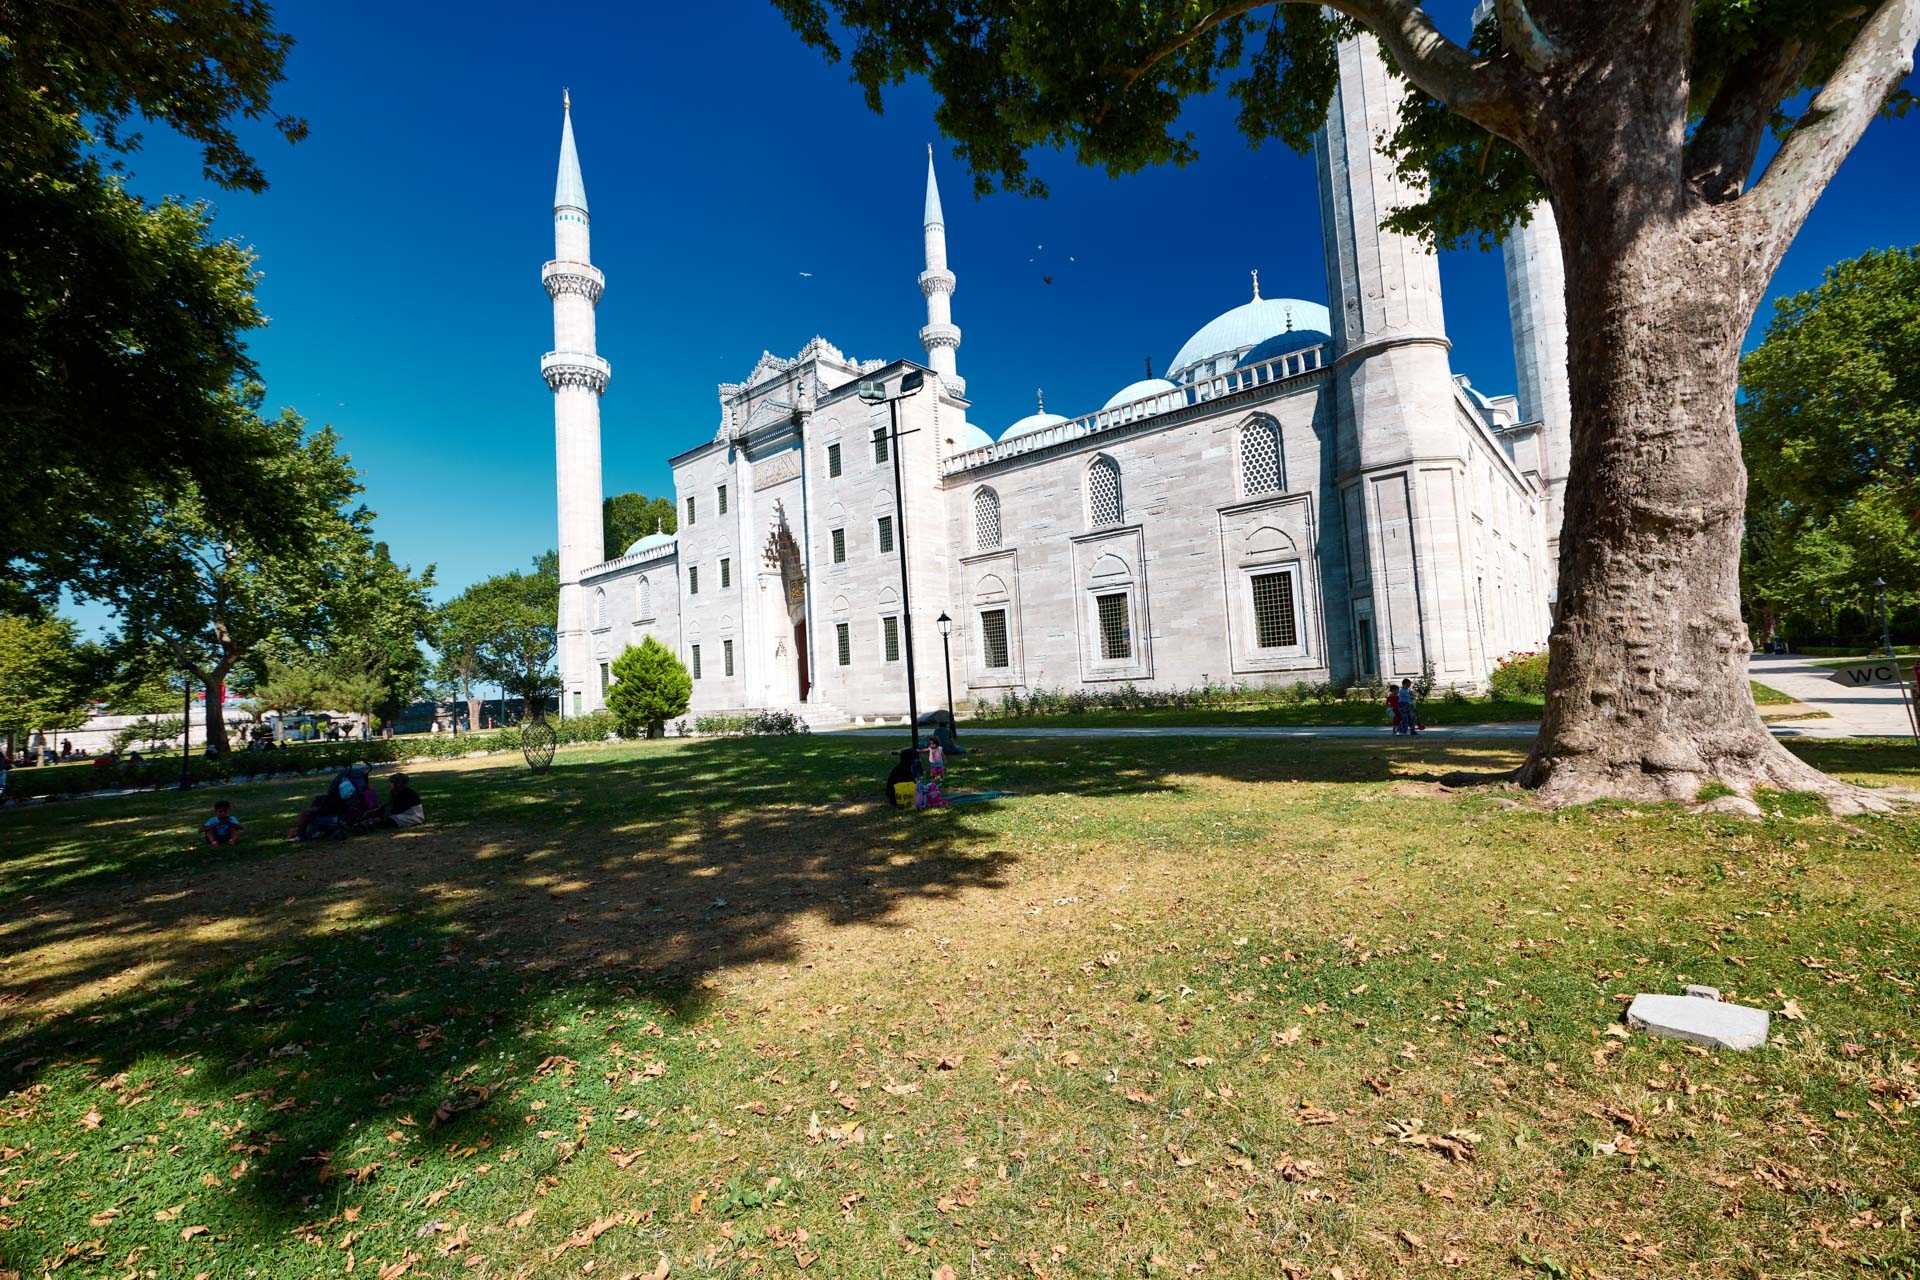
(1871, 712)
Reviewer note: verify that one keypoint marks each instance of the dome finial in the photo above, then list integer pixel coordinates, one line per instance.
(1256, 284)
(1149, 366)
(1040, 396)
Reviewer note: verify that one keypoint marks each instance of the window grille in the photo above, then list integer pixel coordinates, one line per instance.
(839, 546)
(886, 534)
(726, 573)
(890, 636)
(879, 444)
(1273, 617)
(726, 657)
(722, 499)
(1260, 458)
(993, 639)
(986, 519)
(644, 598)
(696, 662)
(1116, 638)
(843, 641)
(833, 459)
(693, 579)
(1103, 492)
(692, 512)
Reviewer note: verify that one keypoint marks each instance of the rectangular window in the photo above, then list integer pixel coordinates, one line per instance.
(726, 656)
(1116, 636)
(722, 499)
(890, 637)
(692, 514)
(993, 639)
(726, 573)
(886, 535)
(843, 641)
(693, 579)
(1273, 619)
(696, 662)
(833, 459)
(576, 702)
(605, 681)
(839, 546)
(1364, 628)
(879, 444)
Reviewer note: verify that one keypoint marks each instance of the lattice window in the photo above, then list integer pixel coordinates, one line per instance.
(721, 499)
(696, 662)
(726, 656)
(986, 519)
(600, 607)
(726, 573)
(1103, 493)
(843, 641)
(833, 459)
(643, 599)
(1273, 615)
(993, 639)
(1116, 633)
(879, 444)
(890, 637)
(885, 525)
(1260, 458)
(839, 546)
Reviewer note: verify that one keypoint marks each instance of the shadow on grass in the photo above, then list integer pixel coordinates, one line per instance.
(401, 979)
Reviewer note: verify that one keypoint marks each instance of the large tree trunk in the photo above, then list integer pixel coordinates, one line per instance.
(215, 685)
(1648, 695)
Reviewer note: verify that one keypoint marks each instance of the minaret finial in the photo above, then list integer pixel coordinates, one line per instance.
(1256, 284)
(566, 99)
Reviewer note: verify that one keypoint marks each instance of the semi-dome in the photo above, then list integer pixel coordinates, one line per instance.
(1138, 391)
(1232, 334)
(966, 437)
(649, 542)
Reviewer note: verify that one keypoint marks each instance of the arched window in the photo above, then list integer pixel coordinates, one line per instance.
(1103, 493)
(1260, 457)
(643, 598)
(986, 520)
(600, 606)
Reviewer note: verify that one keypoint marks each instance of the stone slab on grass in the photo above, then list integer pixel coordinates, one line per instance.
(1713, 1023)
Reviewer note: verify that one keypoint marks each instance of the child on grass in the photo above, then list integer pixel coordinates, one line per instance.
(222, 828)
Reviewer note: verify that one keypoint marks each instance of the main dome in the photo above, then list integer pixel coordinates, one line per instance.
(1232, 334)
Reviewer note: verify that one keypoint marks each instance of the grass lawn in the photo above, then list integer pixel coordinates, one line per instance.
(1899, 651)
(1179, 1007)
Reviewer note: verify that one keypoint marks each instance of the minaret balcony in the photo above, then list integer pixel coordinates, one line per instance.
(582, 278)
(932, 282)
(940, 335)
(575, 369)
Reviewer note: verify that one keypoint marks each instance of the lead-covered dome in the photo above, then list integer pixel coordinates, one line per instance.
(1222, 342)
(649, 542)
(965, 437)
(1039, 420)
(1140, 390)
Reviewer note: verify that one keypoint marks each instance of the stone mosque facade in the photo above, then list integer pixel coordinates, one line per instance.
(1309, 494)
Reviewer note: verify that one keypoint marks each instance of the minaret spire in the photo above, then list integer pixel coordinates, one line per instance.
(941, 336)
(577, 376)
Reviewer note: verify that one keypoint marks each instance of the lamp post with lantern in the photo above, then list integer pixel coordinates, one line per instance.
(946, 656)
(874, 391)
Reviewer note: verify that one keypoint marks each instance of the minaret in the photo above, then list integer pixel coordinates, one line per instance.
(577, 376)
(941, 337)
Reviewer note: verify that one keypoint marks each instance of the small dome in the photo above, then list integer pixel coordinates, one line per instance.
(1232, 334)
(967, 437)
(649, 542)
(1031, 423)
(1138, 391)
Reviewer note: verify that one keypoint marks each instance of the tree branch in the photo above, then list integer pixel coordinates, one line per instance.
(1469, 85)
(1720, 154)
(1880, 57)
(1519, 32)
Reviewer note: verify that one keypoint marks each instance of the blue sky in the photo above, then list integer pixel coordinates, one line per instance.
(401, 245)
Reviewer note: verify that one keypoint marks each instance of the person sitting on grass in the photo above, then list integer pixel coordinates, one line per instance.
(321, 820)
(222, 828)
(404, 806)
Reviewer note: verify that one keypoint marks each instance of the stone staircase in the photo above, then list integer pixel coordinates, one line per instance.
(820, 717)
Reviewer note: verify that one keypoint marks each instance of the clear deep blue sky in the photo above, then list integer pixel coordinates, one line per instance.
(401, 244)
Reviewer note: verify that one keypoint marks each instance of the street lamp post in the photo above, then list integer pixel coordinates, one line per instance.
(946, 657)
(186, 733)
(875, 392)
(1886, 631)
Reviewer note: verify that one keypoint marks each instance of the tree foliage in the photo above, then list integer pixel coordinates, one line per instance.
(651, 687)
(503, 630)
(47, 674)
(121, 323)
(1831, 430)
(628, 517)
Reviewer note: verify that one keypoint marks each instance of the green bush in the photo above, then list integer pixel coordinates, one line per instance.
(750, 724)
(651, 687)
(1520, 677)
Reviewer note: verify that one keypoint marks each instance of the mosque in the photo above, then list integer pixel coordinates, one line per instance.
(1307, 495)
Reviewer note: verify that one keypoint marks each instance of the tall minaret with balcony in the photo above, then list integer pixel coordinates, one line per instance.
(577, 376)
(941, 337)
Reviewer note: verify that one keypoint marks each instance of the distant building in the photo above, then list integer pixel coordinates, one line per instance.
(1304, 496)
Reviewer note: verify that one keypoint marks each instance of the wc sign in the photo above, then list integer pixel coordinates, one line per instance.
(1869, 673)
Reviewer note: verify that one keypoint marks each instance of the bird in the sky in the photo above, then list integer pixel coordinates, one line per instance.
(806, 275)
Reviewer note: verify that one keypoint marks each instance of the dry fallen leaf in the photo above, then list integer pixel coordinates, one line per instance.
(944, 1272)
(188, 1233)
(91, 1120)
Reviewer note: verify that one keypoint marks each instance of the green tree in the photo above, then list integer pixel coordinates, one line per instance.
(288, 688)
(1642, 122)
(210, 597)
(1831, 430)
(627, 517)
(507, 624)
(121, 323)
(380, 615)
(651, 687)
(46, 675)
(459, 628)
